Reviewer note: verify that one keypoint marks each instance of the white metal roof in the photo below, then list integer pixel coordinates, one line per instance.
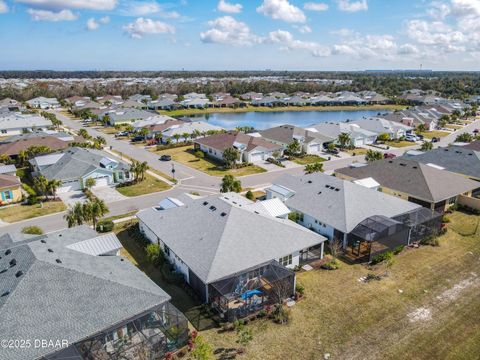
(99, 245)
(282, 190)
(5, 169)
(369, 182)
(273, 207)
(48, 159)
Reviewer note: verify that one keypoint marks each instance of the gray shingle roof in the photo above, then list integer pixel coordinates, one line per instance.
(229, 239)
(416, 179)
(286, 133)
(75, 163)
(457, 159)
(344, 208)
(71, 300)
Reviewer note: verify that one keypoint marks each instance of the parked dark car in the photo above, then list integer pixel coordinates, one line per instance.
(389, 156)
(137, 139)
(334, 151)
(166, 157)
(476, 131)
(435, 139)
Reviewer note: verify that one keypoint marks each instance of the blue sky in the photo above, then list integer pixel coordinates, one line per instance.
(239, 34)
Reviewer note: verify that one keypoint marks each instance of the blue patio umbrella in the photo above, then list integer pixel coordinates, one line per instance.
(248, 294)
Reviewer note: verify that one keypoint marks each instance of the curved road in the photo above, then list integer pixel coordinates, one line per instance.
(189, 179)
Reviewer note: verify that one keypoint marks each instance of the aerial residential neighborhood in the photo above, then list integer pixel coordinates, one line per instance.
(220, 180)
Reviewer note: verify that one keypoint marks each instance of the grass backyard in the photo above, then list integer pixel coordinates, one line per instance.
(23, 212)
(185, 112)
(147, 186)
(308, 159)
(427, 308)
(356, 151)
(185, 156)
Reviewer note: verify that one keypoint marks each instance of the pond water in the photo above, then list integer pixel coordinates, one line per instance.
(265, 120)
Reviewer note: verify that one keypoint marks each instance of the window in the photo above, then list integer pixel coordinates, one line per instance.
(8, 195)
(286, 260)
(166, 249)
(452, 200)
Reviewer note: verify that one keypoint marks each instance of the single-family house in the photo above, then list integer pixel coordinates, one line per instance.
(162, 104)
(251, 149)
(408, 179)
(311, 142)
(457, 159)
(43, 103)
(358, 135)
(9, 104)
(228, 253)
(10, 189)
(379, 126)
(340, 210)
(152, 120)
(14, 145)
(128, 115)
(14, 123)
(251, 96)
(112, 99)
(187, 127)
(74, 166)
(69, 297)
(140, 98)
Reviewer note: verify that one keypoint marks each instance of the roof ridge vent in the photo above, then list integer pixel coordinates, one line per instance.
(58, 261)
(50, 250)
(8, 252)
(13, 262)
(19, 273)
(6, 293)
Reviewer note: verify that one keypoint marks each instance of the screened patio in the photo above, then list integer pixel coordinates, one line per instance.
(148, 337)
(375, 235)
(251, 291)
(422, 223)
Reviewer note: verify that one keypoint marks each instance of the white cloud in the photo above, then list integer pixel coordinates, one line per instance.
(143, 8)
(3, 7)
(289, 43)
(343, 32)
(352, 6)
(368, 46)
(408, 49)
(143, 26)
(47, 15)
(312, 6)
(437, 34)
(282, 10)
(226, 7)
(93, 24)
(71, 4)
(227, 30)
(304, 29)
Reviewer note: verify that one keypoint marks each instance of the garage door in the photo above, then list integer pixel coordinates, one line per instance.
(358, 142)
(314, 149)
(256, 157)
(69, 186)
(101, 182)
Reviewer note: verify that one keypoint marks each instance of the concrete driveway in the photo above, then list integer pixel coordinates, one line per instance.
(71, 197)
(108, 194)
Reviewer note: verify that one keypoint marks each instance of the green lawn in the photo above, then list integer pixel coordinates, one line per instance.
(350, 319)
(357, 151)
(147, 186)
(133, 250)
(22, 212)
(185, 112)
(453, 126)
(399, 144)
(208, 165)
(434, 133)
(307, 159)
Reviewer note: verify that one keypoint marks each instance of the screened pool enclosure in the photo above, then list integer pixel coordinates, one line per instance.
(251, 291)
(148, 337)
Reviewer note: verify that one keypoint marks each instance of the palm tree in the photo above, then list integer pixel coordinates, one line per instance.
(142, 168)
(135, 169)
(314, 168)
(22, 157)
(75, 215)
(101, 140)
(177, 137)
(344, 139)
(52, 187)
(373, 155)
(94, 210)
(230, 156)
(41, 184)
(186, 135)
